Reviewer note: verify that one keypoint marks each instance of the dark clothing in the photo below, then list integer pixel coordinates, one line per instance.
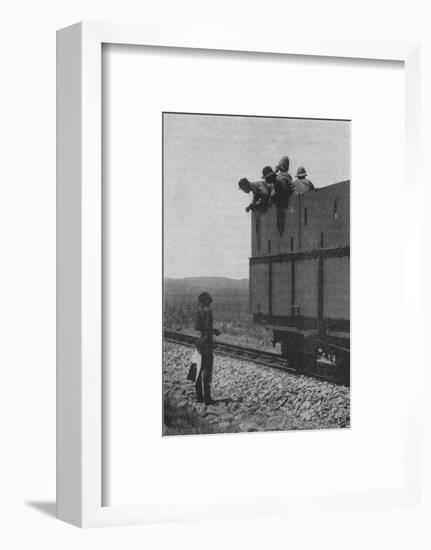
(303, 185)
(285, 174)
(204, 324)
(261, 193)
(283, 190)
(204, 379)
(281, 220)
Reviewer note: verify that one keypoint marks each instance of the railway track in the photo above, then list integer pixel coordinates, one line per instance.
(261, 357)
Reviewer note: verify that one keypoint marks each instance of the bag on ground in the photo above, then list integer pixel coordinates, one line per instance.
(194, 362)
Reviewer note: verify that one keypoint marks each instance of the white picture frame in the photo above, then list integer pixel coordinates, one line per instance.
(79, 260)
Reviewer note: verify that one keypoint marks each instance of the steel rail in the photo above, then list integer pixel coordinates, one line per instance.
(261, 357)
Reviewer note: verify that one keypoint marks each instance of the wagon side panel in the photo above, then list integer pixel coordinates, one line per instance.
(276, 232)
(336, 220)
(306, 287)
(325, 220)
(259, 295)
(336, 288)
(310, 221)
(281, 288)
(289, 240)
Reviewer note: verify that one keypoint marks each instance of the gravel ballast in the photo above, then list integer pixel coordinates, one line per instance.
(249, 398)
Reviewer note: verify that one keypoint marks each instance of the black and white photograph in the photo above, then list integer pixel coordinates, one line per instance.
(256, 264)
(180, 364)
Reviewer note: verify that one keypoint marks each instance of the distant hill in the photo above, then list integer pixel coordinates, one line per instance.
(218, 287)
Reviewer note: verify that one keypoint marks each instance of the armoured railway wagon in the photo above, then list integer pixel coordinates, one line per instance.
(300, 280)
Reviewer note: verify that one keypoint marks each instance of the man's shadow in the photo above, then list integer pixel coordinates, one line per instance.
(48, 508)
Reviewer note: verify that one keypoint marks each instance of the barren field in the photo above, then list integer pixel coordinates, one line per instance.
(230, 310)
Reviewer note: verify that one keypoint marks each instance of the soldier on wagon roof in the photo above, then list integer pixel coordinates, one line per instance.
(283, 167)
(301, 182)
(261, 194)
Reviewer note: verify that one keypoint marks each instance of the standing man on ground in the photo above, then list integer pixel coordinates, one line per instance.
(204, 324)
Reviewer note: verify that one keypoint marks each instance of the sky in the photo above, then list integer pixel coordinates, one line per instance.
(206, 230)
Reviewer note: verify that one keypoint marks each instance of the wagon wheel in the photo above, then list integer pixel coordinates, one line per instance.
(292, 348)
(343, 367)
(310, 356)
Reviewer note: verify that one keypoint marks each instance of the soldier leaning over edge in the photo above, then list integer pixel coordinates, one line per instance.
(261, 194)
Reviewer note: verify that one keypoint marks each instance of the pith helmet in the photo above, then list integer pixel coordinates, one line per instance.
(285, 162)
(301, 173)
